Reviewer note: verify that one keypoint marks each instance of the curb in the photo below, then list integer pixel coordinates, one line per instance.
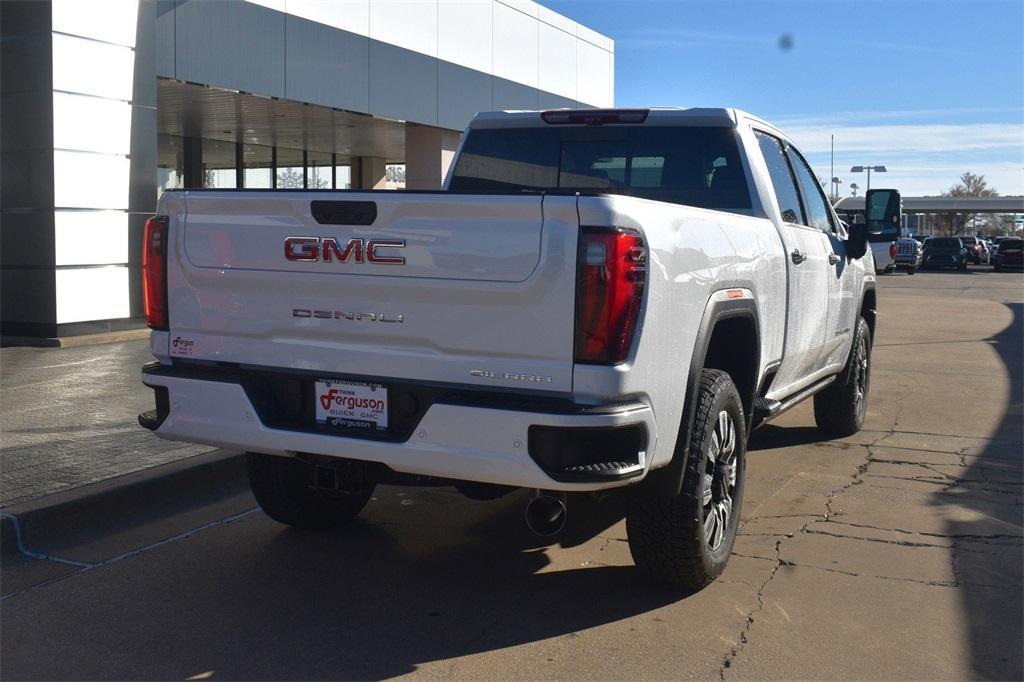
(72, 341)
(127, 500)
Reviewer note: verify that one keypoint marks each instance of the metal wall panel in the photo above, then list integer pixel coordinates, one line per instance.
(235, 45)
(461, 93)
(327, 66)
(403, 84)
(464, 34)
(557, 62)
(592, 75)
(548, 101)
(511, 95)
(411, 25)
(352, 15)
(164, 38)
(515, 46)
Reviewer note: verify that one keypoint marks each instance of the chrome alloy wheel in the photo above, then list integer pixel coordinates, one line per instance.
(860, 375)
(719, 480)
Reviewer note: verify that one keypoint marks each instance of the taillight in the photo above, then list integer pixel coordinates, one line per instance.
(154, 272)
(611, 270)
(892, 250)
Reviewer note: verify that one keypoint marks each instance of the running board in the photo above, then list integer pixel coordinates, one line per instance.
(766, 409)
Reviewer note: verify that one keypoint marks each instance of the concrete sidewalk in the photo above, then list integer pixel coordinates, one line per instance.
(68, 419)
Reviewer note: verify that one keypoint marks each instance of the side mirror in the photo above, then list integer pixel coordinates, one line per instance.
(884, 210)
(857, 238)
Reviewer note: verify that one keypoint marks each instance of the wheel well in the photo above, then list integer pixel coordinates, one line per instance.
(867, 311)
(734, 349)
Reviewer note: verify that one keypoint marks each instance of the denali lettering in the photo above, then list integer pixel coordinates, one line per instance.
(510, 376)
(312, 249)
(344, 315)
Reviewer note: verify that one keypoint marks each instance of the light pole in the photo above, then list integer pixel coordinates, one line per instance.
(835, 187)
(854, 188)
(861, 169)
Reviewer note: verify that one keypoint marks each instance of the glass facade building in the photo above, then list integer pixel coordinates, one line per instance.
(105, 109)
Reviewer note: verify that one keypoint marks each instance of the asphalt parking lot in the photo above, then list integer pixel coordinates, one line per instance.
(893, 554)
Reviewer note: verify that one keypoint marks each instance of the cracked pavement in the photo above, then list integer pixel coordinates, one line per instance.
(893, 554)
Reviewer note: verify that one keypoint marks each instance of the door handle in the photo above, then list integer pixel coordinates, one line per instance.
(798, 256)
(833, 259)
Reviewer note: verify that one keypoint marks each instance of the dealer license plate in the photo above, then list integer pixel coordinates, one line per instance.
(351, 404)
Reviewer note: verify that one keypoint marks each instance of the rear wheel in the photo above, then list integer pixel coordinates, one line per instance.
(284, 488)
(911, 270)
(686, 540)
(839, 409)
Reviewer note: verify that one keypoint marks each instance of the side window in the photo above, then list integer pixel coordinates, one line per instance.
(782, 178)
(818, 214)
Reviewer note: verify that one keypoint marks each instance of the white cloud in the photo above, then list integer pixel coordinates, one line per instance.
(910, 138)
(922, 159)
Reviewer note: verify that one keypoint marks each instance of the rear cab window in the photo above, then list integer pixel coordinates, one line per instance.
(815, 203)
(693, 165)
(783, 182)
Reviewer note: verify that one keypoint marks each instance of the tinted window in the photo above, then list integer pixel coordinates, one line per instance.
(969, 241)
(1011, 245)
(944, 243)
(691, 165)
(782, 178)
(814, 198)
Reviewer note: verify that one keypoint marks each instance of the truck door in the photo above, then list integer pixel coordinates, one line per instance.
(842, 289)
(808, 271)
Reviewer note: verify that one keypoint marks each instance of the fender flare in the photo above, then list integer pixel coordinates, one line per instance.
(667, 481)
(869, 285)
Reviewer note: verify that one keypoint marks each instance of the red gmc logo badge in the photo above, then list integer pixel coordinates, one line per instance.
(328, 250)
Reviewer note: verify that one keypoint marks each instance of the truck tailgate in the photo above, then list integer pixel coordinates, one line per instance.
(482, 292)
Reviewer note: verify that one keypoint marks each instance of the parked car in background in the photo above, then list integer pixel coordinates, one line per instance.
(908, 255)
(975, 251)
(945, 252)
(989, 249)
(1009, 255)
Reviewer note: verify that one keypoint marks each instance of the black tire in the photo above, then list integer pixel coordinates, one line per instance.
(283, 488)
(996, 268)
(911, 270)
(669, 536)
(963, 265)
(839, 410)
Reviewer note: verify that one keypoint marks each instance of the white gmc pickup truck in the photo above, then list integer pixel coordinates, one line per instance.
(597, 299)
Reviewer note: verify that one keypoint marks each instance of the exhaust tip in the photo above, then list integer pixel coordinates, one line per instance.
(545, 514)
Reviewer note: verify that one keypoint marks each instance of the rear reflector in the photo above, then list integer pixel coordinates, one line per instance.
(611, 271)
(892, 250)
(154, 272)
(594, 117)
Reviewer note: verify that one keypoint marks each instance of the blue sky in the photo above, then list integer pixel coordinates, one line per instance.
(928, 88)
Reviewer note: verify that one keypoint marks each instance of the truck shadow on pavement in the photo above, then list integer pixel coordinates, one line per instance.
(428, 576)
(987, 553)
(406, 587)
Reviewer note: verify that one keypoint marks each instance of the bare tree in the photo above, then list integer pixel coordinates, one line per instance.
(970, 185)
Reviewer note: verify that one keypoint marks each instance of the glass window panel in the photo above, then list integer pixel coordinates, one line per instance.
(814, 198)
(688, 165)
(290, 174)
(343, 177)
(170, 163)
(782, 178)
(257, 162)
(219, 165)
(394, 176)
(318, 170)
